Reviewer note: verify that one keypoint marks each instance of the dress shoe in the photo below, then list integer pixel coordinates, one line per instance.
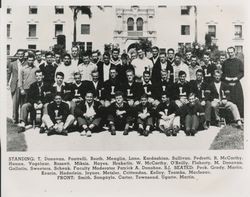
(83, 133)
(88, 133)
(112, 130)
(125, 132)
(64, 132)
(42, 130)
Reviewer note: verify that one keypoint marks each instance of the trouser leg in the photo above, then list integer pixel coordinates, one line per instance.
(15, 101)
(215, 106)
(26, 108)
(188, 122)
(195, 122)
(233, 108)
(47, 121)
(69, 121)
(208, 109)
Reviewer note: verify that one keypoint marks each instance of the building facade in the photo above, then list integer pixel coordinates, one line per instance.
(37, 27)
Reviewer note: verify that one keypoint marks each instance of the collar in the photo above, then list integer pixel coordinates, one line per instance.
(144, 83)
(119, 105)
(92, 104)
(181, 83)
(40, 85)
(78, 85)
(55, 84)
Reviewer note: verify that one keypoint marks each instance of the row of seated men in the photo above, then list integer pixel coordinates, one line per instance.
(87, 100)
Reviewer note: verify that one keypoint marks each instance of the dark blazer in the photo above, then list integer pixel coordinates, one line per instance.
(209, 72)
(62, 111)
(178, 90)
(48, 72)
(100, 66)
(81, 109)
(127, 116)
(156, 71)
(202, 92)
(80, 91)
(162, 107)
(65, 92)
(224, 91)
(139, 109)
(45, 95)
(134, 91)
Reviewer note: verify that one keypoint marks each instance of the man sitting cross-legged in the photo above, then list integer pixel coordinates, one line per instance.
(145, 116)
(166, 111)
(58, 118)
(88, 114)
(119, 117)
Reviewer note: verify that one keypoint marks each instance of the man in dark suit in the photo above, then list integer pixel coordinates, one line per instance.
(14, 73)
(39, 95)
(58, 118)
(88, 114)
(202, 93)
(97, 86)
(156, 70)
(48, 69)
(119, 115)
(220, 94)
(103, 67)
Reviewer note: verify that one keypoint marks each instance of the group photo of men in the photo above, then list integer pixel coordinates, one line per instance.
(89, 92)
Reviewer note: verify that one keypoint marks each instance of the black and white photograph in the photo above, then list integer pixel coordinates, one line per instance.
(125, 77)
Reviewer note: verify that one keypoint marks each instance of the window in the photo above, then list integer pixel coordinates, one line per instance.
(212, 30)
(8, 49)
(58, 29)
(85, 29)
(185, 30)
(139, 24)
(31, 46)
(9, 10)
(32, 10)
(89, 46)
(130, 24)
(185, 10)
(32, 30)
(8, 30)
(59, 10)
(238, 31)
(239, 49)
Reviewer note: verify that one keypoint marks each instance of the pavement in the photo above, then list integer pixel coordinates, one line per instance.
(103, 141)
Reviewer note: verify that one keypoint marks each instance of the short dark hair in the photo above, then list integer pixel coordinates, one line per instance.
(146, 73)
(38, 71)
(124, 56)
(129, 70)
(231, 47)
(193, 56)
(155, 47)
(31, 55)
(85, 54)
(200, 71)
(144, 96)
(178, 55)
(182, 73)
(60, 74)
(49, 53)
(171, 49)
(106, 54)
(119, 93)
(163, 53)
(116, 49)
(58, 94)
(67, 55)
(165, 93)
(207, 54)
(191, 94)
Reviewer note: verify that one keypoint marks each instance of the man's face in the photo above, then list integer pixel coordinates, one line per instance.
(162, 58)
(146, 78)
(206, 59)
(67, 60)
(199, 76)
(164, 76)
(191, 100)
(193, 61)
(85, 60)
(182, 78)
(144, 101)
(177, 60)
(49, 59)
(217, 77)
(130, 76)
(115, 54)
(20, 55)
(39, 76)
(113, 73)
(89, 97)
(222, 58)
(119, 99)
(188, 55)
(95, 77)
(59, 79)
(106, 59)
(30, 61)
(57, 58)
(155, 53)
(58, 99)
(77, 79)
(124, 61)
(231, 53)
(170, 54)
(74, 52)
(140, 54)
(39, 56)
(133, 56)
(164, 98)
(95, 57)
